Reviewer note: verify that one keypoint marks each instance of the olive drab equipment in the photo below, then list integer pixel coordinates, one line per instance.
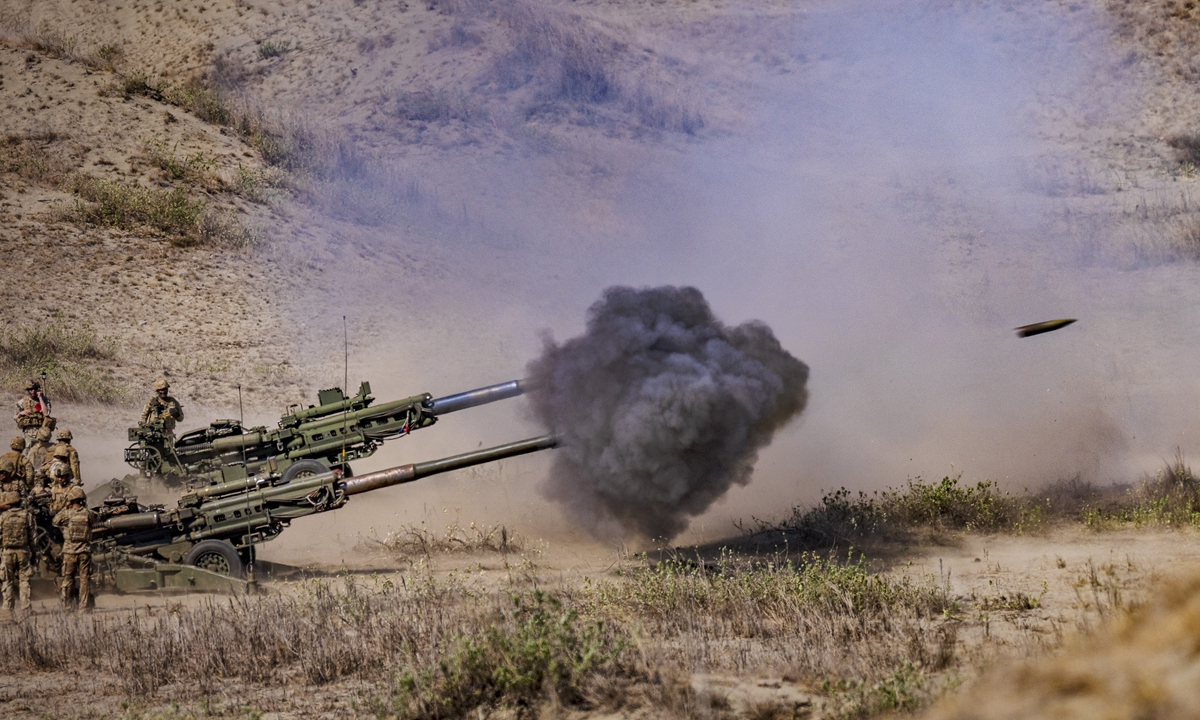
(211, 533)
(326, 436)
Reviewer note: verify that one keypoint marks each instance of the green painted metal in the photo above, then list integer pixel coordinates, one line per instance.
(335, 432)
(243, 514)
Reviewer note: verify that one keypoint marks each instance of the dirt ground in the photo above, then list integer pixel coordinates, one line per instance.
(1070, 582)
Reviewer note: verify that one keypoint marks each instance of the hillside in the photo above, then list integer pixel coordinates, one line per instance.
(455, 177)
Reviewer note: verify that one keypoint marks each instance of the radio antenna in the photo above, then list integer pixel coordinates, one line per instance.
(346, 385)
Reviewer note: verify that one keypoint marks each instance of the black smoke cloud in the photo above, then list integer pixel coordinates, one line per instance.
(661, 407)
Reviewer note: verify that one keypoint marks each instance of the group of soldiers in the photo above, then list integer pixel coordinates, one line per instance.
(40, 479)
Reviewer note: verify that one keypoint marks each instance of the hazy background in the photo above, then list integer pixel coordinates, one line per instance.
(905, 186)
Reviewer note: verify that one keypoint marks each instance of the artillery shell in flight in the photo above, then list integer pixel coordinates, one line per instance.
(1043, 327)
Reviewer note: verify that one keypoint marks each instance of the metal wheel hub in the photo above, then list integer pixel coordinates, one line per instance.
(213, 562)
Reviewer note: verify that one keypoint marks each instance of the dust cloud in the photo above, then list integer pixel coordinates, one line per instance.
(661, 409)
(890, 187)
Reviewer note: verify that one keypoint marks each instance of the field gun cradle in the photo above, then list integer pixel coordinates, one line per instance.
(206, 540)
(326, 436)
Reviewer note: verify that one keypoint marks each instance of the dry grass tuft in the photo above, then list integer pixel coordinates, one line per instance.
(418, 540)
(67, 354)
(38, 158)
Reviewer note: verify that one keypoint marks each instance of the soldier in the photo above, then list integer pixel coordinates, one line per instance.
(60, 486)
(64, 440)
(75, 521)
(16, 555)
(8, 480)
(23, 469)
(162, 407)
(40, 453)
(32, 411)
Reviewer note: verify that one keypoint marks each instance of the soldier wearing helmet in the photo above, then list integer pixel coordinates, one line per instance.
(16, 551)
(64, 441)
(7, 473)
(75, 521)
(21, 480)
(33, 411)
(162, 408)
(39, 454)
(60, 483)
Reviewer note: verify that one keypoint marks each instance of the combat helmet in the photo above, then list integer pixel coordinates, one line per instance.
(162, 384)
(18, 443)
(33, 385)
(7, 467)
(76, 493)
(43, 434)
(62, 453)
(65, 434)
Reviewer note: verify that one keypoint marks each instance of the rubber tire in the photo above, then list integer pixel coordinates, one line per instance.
(302, 468)
(217, 547)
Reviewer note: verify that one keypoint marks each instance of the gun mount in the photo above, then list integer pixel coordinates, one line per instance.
(216, 528)
(322, 437)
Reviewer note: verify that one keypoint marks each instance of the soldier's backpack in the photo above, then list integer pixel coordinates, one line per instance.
(79, 528)
(14, 529)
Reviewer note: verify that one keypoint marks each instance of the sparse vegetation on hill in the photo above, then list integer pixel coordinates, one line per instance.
(66, 354)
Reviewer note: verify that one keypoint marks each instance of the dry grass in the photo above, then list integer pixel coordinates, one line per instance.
(420, 647)
(1171, 497)
(421, 541)
(67, 354)
(1141, 664)
(39, 159)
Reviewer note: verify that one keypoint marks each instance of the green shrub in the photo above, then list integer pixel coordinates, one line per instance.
(535, 647)
(273, 48)
(125, 205)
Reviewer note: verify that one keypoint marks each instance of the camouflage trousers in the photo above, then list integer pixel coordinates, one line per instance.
(16, 567)
(75, 566)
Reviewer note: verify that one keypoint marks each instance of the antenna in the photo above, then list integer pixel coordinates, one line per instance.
(346, 392)
(246, 469)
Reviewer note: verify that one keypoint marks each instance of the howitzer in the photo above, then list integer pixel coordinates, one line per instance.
(216, 527)
(322, 437)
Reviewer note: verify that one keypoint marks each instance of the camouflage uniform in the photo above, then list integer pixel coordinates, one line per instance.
(40, 455)
(32, 412)
(64, 441)
(76, 522)
(16, 557)
(23, 469)
(162, 407)
(8, 480)
(60, 486)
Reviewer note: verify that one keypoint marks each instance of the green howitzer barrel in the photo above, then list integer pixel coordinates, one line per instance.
(218, 531)
(331, 434)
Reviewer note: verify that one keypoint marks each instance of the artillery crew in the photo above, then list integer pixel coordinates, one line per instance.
(76, 522)
(60, 486)
(64, 441)
(9, 482)
(16, 551)
(39, 452)
(22, 468)
(33, 411)
(162, 407)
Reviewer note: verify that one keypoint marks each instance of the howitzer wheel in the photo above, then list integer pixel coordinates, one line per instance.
(215, 556)
(303, 469)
